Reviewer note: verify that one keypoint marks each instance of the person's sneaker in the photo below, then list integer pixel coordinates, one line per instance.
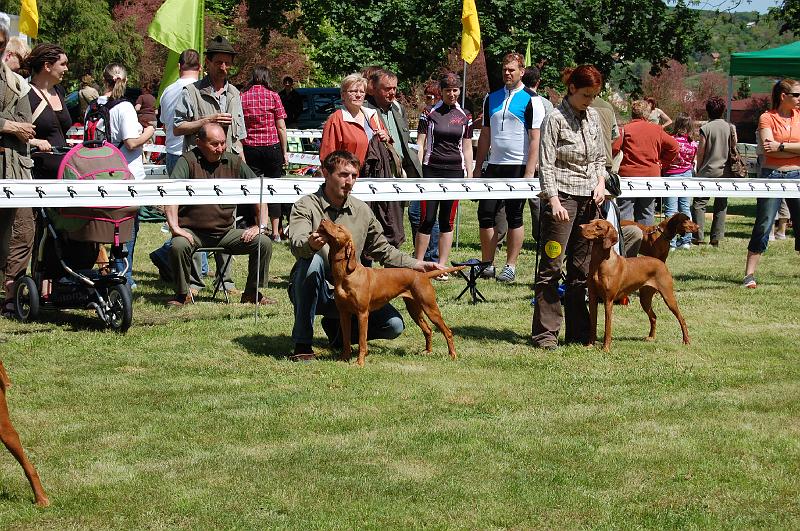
(508, 274)
(749, 282)
(488, 272)
(444, 277)
(684, 247)
(780, 235)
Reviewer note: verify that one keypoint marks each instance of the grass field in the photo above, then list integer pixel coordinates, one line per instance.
(195, 419)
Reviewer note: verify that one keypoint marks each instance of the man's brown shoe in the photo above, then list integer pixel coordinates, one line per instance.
(179, 301)
(302, 352)
(250, 298)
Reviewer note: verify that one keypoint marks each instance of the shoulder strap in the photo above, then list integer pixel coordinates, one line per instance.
(43, 103)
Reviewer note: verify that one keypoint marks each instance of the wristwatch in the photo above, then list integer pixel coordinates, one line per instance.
(780, 148)
(262, 229)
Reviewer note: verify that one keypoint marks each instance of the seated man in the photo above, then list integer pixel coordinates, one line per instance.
(310, 290)
(194, 226)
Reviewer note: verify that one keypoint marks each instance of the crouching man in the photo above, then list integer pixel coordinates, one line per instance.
(310, 289)
(194, 226)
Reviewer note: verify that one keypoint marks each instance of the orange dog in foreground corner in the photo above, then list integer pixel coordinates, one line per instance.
(10, 438)
(612, 277)
(359, 290)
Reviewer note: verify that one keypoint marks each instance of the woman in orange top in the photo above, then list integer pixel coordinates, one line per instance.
(779, 130)
(352, 127)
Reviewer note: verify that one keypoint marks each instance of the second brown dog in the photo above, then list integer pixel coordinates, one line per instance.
(656, 238)
(359, 290)
(612, 277)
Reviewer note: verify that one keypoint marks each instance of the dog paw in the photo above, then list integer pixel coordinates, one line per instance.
(649, 338)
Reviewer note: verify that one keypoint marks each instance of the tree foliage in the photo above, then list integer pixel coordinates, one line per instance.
(88, 33)
(413, 36)
(788, 13)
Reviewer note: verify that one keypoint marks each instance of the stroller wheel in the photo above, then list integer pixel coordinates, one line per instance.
(26, 299)
(120, 314)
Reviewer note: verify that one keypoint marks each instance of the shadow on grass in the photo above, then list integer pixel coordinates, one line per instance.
(495, 334)
(742, 209)
(698, 276)
(278, 347)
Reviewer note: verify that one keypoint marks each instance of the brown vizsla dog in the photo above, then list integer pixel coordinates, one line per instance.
(612, 277)
(359, 290)
(10, 438)
(655, 239)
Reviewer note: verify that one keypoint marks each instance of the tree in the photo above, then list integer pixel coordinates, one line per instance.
(788, 13)
(89, 35)
(413, 36)
(744, 89)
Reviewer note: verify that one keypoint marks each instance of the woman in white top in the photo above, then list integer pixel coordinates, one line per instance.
(127, 133)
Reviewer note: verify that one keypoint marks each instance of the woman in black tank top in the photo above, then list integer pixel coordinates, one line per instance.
(48, 64)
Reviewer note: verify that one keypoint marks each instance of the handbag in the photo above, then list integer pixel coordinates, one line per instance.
(735, 166)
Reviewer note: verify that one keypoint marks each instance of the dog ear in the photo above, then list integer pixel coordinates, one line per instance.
(350, 254)
(610, 238)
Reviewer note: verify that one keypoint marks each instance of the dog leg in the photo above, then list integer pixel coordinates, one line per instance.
(672, 303)
(415, 311)
(431, 309)
(10, 439)
(609, 307)
(646, 300)
(345, 324)
(363, 328)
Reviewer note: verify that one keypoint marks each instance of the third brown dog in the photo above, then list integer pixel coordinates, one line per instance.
(655, 239)
(10, 438)
(359, 290)
(612, 277)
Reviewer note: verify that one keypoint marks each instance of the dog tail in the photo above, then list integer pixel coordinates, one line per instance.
(437, 272)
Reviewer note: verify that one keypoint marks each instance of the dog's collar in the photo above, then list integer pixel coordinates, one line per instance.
(656, 229)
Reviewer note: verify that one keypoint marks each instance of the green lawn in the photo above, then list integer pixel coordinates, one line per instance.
(195, 419)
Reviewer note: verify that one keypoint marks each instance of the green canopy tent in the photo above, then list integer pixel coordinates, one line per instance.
(783, 61)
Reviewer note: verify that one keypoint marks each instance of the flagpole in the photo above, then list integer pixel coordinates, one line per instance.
(463, 106)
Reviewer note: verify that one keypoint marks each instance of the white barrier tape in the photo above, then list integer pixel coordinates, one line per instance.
(54, 193)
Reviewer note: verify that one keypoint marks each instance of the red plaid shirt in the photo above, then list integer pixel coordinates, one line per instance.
(261, 108)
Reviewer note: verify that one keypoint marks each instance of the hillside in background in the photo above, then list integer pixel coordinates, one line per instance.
(737, 32)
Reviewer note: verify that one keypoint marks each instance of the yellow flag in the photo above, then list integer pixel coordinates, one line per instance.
(471, 32)
(29, 18)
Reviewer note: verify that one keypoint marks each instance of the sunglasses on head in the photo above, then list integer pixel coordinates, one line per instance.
(795, 94)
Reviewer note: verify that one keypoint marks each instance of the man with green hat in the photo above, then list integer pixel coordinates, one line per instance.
(212, 100)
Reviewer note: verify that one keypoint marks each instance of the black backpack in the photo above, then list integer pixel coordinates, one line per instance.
(96, 112)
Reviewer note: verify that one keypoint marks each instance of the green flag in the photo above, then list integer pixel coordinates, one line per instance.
(528, 54)
(178, 25)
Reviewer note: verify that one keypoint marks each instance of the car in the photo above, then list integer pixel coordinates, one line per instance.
(318, 104)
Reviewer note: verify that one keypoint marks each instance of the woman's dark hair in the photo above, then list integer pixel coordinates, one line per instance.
(260, 76)
(683, 125)
(41, 54)
(432, 87)
(652, 102)
(715, 107)
(784, 86)
(449, 80)
(582, 76)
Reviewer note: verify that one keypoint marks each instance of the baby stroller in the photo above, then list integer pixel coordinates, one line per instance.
(67, 243)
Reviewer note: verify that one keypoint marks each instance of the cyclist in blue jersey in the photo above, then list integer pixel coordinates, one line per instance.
(510, 135)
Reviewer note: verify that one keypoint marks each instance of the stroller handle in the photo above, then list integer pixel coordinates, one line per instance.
(55, 150)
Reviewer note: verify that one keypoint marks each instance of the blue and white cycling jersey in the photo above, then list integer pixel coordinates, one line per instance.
(510, 114)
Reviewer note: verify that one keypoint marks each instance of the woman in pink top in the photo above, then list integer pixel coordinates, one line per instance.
(682, 166)
(779, 130)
